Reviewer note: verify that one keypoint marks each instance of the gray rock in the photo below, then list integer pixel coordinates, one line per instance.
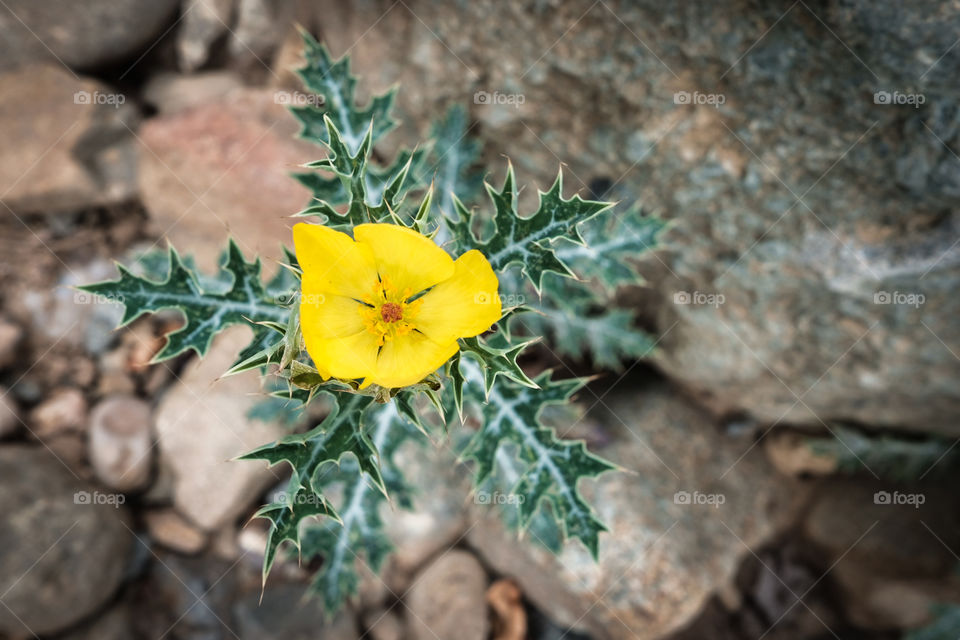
(173, 92)
(80, 35)
(113, 624)
(283, 612)
(202, 24)
(121, 442)
(65, 548)
(688, 508)
(448, 599)
(202, 425)
(799, 119)
(888, 548)
(69, 146)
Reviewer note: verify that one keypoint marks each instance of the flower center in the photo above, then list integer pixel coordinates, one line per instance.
(391, 312)
(386, 313)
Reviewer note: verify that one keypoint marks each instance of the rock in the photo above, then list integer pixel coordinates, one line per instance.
(9, 418)
(69, 146)
(447, 599)
(202, 24)
(688, 509)
(11, 335)
(888, 548)
(236, 155)
(121, 442)
(65, 548)
(383, 624)
(506, 601)
(64, 410)
(202, 425)
(113, 625)
(260, 28)
(791, 453)
(277, 615)
(169, 528)
(81, 36)
(173, 92)
(799, 279)
(187, 597)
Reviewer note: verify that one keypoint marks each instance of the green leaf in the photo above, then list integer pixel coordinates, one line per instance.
(527, 242)
(207, 311)
(496, 361)
(943, 627)
(612, 243)
(452, 161)
(362, 532)
(332, 79)
(551, 467)
(338, 435)
(285, 520)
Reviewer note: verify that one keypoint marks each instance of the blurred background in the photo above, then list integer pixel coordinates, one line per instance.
(791, 439)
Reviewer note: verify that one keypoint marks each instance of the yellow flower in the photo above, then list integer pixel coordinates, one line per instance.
(388, 305)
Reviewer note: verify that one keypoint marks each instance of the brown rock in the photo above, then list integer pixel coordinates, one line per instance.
(169, 528)
(61, 150)
(202, 425)
(64, 410)
(791, 453)
(9, 419)
(222, 169)
(447, 599)
(11, 335)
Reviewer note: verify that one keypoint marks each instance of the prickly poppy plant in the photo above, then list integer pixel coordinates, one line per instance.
(402, 305)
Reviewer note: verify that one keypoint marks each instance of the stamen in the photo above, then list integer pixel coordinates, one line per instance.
(391, 312)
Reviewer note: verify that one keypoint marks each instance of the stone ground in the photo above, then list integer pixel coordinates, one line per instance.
(123, 515)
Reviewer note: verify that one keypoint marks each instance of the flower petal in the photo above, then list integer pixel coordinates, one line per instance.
(327, 315)
(340, 265)
(408, 259)
(463, 306)
(352, 356)
(409, 359)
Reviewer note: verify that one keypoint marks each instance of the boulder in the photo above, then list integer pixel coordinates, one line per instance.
(65, 544)
(689, 506)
